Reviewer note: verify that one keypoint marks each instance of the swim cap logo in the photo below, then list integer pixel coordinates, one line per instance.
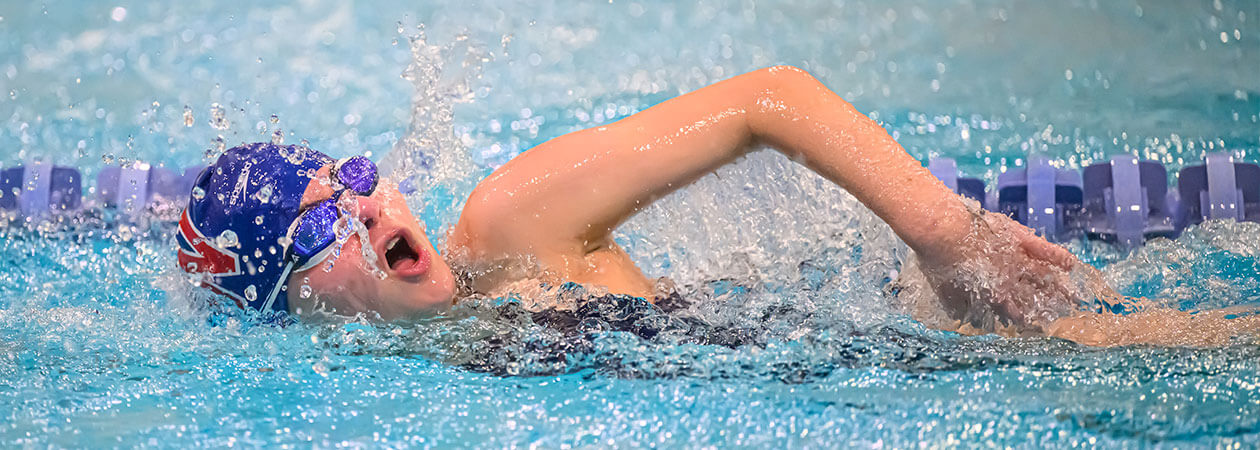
(197, 255)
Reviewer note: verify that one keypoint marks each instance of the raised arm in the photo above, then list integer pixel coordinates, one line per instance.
(569, 193)
(559, 202)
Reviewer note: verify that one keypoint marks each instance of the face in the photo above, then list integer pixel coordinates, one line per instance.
(394, 272)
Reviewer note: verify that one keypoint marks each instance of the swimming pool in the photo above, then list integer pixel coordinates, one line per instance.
(100, 344)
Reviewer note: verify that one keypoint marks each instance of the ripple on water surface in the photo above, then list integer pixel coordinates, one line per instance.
(782, 338)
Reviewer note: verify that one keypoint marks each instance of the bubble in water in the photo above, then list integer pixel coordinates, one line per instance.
(264, 196)
(218, 118)
(277, 137)
(227, 239)
(251, 293)
(188, 116)
(198, 193)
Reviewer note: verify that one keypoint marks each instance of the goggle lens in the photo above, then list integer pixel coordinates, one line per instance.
(315, 229)
(357, 174)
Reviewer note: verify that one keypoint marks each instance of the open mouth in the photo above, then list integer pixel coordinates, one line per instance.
(403, 257)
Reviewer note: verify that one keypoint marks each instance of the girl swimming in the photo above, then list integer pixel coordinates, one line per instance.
(264, 217)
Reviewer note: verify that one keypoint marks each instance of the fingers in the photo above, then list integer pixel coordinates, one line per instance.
(1039, 248)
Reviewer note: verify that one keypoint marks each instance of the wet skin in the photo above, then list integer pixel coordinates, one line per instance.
(549, 214)
(417, 281)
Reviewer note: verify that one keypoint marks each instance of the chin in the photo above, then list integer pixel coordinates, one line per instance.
(430, 296)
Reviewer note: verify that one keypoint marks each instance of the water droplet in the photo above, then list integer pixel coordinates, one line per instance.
(264, 196)
(277, 137)
(258, 253)
(188, 116)
(217, 147)
(218, 118)
(275, 118)
(251, 293)
(258, 220)
(227, 239)
(198, 193)
(13, 94)
(107, 158)
(306, 291)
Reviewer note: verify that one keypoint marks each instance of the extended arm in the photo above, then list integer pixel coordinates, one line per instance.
(568, 194)
(557, 204)
(1159, 326)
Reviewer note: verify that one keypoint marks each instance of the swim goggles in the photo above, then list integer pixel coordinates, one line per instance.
(312, 233)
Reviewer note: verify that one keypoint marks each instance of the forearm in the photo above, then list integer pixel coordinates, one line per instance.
(577, 188)
(806, 121)
(1157, 326)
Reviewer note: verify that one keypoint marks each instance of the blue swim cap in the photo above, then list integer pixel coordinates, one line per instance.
(239, 212)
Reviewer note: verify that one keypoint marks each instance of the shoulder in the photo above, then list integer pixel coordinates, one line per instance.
(496, 224)
(474, 234)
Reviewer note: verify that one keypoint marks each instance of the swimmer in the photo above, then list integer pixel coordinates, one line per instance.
(288, 229)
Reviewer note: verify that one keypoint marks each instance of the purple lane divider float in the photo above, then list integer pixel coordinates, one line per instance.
(39, 188)
(946, 169)
(1124, 200)
(132, 189)
(1220, 189)
(1127, 201)
(1043, 197)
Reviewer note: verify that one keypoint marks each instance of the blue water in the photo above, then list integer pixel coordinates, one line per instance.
(103, 344)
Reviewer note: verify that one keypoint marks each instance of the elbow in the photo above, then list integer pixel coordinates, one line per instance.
(784, 80)
(787, 72)
(787, 90)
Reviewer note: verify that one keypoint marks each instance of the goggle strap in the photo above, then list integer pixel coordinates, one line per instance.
(271, 299)
(316, 258)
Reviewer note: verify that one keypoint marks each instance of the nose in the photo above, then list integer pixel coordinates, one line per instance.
(369, 211)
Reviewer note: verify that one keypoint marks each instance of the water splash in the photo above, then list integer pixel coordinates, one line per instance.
(429, 156)
(96, 327)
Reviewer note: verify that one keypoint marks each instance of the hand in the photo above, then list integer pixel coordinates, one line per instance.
(1001, 273)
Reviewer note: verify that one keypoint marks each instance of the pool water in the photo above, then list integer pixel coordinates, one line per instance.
(786, 338)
